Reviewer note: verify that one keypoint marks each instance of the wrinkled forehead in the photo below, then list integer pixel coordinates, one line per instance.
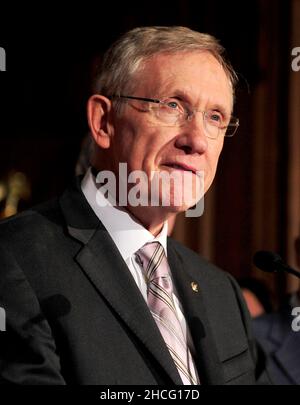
(198, 76)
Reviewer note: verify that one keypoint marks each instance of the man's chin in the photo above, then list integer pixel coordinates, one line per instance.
(177, 209)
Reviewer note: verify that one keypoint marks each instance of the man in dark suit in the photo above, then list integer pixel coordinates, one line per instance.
(279, 335)
(84, 303)
(281, 343)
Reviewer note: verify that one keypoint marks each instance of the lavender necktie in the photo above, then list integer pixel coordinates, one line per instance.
(161, 305)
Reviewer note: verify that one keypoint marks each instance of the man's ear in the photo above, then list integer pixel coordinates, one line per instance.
(99, 120)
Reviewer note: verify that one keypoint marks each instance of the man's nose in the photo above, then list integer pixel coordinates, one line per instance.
(193, 138)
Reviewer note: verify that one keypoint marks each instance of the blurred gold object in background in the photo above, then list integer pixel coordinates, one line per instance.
(16, 188)
(3, 191)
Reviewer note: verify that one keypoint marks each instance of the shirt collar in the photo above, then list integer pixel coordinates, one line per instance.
(127, 233)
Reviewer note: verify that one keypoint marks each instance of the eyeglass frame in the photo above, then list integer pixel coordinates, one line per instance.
(189, 115)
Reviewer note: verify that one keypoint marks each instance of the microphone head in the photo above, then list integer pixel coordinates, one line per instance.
(268, 261)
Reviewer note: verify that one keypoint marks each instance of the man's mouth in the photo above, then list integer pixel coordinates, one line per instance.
(180, 166)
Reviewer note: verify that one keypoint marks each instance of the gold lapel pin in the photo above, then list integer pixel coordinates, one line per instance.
(194, 286)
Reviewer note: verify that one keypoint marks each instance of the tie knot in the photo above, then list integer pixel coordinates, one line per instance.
(153, 258)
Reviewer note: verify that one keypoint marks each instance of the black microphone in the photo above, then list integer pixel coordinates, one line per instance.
(272, 262)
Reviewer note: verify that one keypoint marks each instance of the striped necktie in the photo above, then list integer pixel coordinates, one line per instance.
(161, 305)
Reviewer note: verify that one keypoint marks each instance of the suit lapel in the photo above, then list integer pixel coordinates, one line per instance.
(101, 261)
(208, 363)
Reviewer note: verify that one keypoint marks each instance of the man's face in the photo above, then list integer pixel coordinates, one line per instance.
(140, 140)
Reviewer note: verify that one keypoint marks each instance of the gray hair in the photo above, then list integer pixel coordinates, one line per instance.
(129, 53)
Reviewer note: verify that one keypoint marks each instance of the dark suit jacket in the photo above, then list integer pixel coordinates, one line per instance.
(76, 316)
(281, 344)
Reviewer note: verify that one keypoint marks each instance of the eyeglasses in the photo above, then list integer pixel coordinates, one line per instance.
(173, 112)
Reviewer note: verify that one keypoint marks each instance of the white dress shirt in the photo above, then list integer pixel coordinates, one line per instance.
(129, 236)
